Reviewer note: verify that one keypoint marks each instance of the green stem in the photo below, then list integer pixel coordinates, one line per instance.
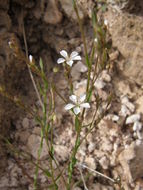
(73, 156)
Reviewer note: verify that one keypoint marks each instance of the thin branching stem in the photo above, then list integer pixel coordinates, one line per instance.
(30, 73)
(96, 172)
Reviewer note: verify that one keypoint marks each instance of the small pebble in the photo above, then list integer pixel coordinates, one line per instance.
(138, 142)
(130, 106)
(105, 76)
(125, 101)
(90, 162)
(91, 147)
(99, 84)
(139, 135)
(112, 117)
(124, 111)
(137, 126)
(25, 123)
(104, 162)
(133, 118)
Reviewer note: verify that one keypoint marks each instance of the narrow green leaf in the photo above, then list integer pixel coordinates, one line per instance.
(87, 61)
(94, 17)
(104, 8)
(41, 64)
(40, 89)
(74, 161)
(89, 94)
(74, 3)
(53, 186)
(77, 124)
(47, 173)
(46, 83)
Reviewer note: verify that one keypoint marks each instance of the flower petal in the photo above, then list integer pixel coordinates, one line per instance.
(78, 58)
(60, 60)
(30, 58)
(69, 106)
(73, 98)
(70, 62)
(85, 105)
(82, 98)
(73, 54)
(64, 53)
(76, 110)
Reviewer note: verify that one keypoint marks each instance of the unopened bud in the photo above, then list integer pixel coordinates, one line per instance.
(55, 69)
(10, 44)
(105, 22)
(30, 58)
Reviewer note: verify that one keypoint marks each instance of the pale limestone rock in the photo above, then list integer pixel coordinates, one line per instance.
(77, 69)
(80, 156)
(90, 162)
(80, 67)
(99, 186)
(139, 103)
(131, 160)
(62, 83)
(37, 131)
(106, 145)
(104, 162)
(91, 147)
(76, 188)
(102, 94)
(52, 14)
(22, 136)
(128, 40)
(124, 111)
(25, 123)
(114, 55)
(105, 187)
(125, 101)
(98, 153)
(67, 6)
(33, 145)
(112, 117)
(62, 152)
(96, 186)
(137, 126)
(122, 87)
(99, 84)
(80, 87)
(105, 76)
(138, 142)
(139, 135)
(133, 118)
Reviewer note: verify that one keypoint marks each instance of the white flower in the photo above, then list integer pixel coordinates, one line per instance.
(78, 103)
(68, 59)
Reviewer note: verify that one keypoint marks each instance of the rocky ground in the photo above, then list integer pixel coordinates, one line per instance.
(115, 146)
